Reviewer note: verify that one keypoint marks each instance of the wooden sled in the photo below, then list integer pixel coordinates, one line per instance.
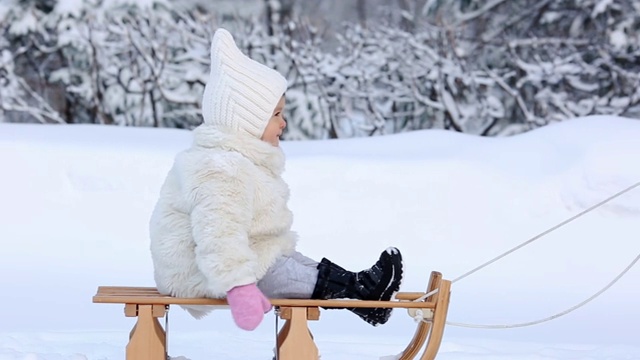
(147, 339)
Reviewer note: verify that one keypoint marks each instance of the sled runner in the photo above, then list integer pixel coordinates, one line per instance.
(147, 339)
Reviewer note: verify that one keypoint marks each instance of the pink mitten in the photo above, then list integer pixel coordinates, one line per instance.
(248, 306)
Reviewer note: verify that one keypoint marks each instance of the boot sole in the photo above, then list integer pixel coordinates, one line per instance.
(384, 314)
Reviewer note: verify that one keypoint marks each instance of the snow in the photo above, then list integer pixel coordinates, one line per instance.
(5, 8)
(76, 201)
(24, 25)
(618, 39)
(70, 7)
(600, 7)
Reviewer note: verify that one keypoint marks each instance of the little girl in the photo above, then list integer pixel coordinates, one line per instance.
(222, 227)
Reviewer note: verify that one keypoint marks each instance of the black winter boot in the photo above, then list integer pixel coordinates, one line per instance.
(380, 282)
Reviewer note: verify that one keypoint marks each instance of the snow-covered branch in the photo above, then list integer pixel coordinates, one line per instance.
(486, 68)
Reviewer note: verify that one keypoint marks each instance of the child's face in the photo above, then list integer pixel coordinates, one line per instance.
(276, 125)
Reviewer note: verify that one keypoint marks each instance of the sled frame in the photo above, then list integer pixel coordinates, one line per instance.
(148, 339)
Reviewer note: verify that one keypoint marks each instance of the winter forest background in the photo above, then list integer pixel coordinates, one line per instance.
(355, 67)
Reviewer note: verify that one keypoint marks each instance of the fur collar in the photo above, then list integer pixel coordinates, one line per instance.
(257, 151)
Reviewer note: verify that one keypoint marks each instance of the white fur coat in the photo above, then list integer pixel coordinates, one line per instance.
(222, 218)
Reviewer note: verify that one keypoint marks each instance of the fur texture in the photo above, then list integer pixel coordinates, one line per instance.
(221, 219)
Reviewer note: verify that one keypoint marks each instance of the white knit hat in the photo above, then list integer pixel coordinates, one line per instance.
(241, 93)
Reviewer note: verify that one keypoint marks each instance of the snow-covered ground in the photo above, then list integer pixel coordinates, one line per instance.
(75, 202)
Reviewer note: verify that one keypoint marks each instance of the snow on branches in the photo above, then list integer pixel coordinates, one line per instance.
(480, 67)
(115, 63)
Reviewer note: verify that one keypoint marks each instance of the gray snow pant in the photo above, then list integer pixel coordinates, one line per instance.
(291, 277)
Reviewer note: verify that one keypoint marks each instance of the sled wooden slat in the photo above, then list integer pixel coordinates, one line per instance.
(439, 320)
(138, 298)
(147, 339)
(151, 291)
(103, 290)
(410, 296)
(422, 331)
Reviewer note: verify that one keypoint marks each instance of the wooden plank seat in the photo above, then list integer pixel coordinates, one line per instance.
(147, 339)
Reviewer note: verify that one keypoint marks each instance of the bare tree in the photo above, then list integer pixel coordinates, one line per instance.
(18, 98)
(410, 13)
(361, 11)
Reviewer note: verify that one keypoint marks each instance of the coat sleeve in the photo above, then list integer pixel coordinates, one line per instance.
(221, 215)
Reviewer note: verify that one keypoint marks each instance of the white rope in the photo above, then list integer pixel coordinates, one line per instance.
(546, 232)
(565, 312)
(470, 272)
